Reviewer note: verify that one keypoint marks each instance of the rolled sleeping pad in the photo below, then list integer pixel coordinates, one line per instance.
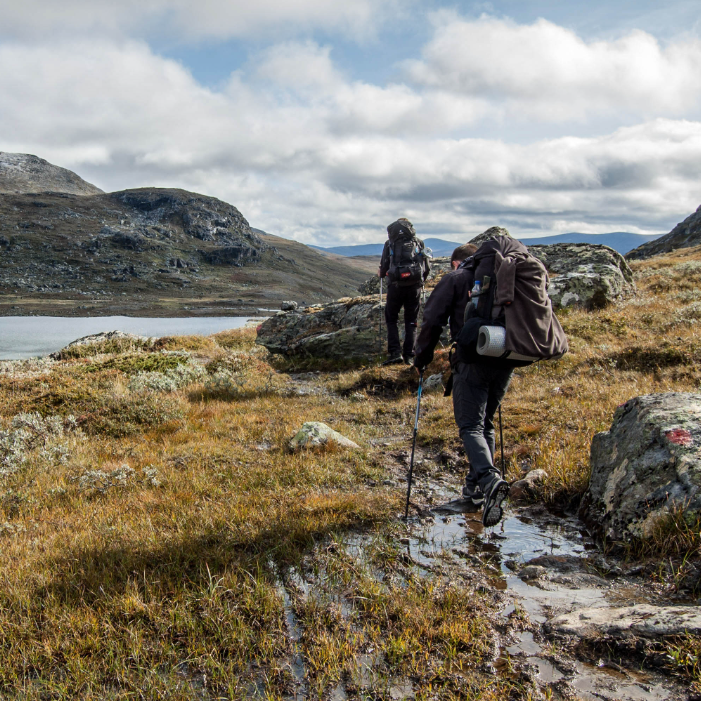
(491, 342)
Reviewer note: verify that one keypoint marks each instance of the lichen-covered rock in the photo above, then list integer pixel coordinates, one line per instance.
(433, 383)
(585, 274)
(315, 434)
(289, 306)
(349, 329)
(490, 234)
(107, 336)
(684, 235)
(646, 465)
(346, 329)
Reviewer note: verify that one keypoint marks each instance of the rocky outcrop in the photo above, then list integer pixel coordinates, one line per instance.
(24, 173)
(202, 217)
(683, 235)
(645, 466)
(315, 434)
(345, 329)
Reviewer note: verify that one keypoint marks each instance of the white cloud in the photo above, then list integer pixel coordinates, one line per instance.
(546, 71)
(190, 19)
(303, 151)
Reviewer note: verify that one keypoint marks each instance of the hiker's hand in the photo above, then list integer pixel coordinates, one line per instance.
(379, 272)
(419, 369)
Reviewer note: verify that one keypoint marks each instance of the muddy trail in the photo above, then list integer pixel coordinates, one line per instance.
(536, 566)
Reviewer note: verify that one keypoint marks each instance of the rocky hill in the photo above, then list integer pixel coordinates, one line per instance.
(23, 173)
(149, 251)
(684, 235)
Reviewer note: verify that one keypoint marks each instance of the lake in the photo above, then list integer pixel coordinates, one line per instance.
(30, 336)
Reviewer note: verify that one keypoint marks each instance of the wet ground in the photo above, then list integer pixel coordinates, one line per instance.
(546, 565)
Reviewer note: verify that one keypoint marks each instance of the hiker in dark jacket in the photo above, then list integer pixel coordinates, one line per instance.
(477, 389)
(399, 296)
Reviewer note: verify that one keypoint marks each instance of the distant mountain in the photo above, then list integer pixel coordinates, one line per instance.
(621, 241)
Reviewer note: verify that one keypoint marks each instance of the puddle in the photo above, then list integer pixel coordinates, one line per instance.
(532, 535)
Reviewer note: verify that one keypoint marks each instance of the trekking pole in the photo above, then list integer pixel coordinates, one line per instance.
(413, 445)
(501, 443)
(380, 316)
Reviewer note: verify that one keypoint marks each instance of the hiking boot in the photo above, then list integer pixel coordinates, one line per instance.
(394, 360)
(473, 495)
(408, 359)
(497, 492)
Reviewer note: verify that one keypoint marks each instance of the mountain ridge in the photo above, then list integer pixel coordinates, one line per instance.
(621, 241)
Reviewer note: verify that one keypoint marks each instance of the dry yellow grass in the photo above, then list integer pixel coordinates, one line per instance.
(144, 554)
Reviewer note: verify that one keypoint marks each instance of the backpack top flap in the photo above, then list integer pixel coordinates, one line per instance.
(532, 329)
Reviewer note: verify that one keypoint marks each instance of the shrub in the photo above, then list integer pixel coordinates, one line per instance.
(168, 381)
(29, 434)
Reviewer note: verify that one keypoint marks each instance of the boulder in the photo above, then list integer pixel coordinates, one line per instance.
(642, 620)
(289, 306)
(490, 234)
(345, 329)
(107, 336)
(524, 488)
(585, 274)
(315, 434)
(433, 383)
(646, 465)
(683, 235)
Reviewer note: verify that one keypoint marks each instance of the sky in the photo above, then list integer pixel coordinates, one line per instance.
(324, 121)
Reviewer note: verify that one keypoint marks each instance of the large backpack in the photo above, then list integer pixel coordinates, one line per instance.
(522, 333)
(406, 259)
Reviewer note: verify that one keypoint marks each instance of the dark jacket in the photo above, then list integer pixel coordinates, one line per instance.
(385, 260)
(446, 303)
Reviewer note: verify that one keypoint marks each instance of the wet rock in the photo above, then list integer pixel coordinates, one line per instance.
(523, 489)
(289, 306)
(532, 572)
(642, 620)
(644, 466)
(433, 383)
(585, 274)
(315, 434)
(683, 235)
(560, 563)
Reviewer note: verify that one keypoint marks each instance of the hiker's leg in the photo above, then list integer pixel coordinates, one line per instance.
(392, 307)
(499, 383)
(412, 304)
(470, 396)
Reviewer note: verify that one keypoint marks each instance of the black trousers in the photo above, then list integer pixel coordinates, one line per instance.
(477, 394)
(410, 299)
